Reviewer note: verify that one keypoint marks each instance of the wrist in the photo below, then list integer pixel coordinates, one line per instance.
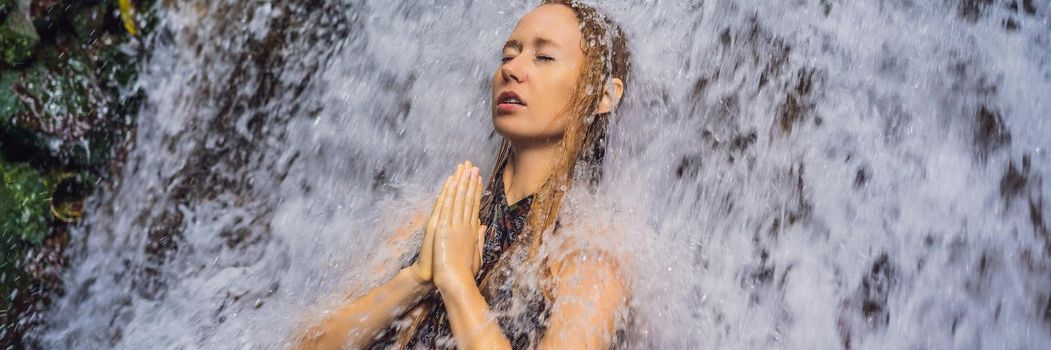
(414, 281)
(454, 282)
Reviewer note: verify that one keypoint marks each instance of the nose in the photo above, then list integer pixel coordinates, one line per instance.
(511, 71)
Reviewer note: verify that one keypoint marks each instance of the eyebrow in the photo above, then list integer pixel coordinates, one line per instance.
(517, 45)
(513, 44)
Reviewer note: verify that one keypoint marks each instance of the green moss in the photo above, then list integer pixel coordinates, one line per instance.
(24, 208)
(9, 103)
(23, 220)
(18, 37)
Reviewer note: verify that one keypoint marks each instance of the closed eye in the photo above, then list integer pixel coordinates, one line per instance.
(545, 58)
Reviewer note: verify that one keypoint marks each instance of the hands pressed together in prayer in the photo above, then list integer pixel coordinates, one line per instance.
(454, 236)
(449, 260)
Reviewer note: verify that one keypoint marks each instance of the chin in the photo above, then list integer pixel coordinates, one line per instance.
(526, 137)
(518, 128)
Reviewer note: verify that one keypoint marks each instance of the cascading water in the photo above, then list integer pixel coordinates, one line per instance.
(801, 174)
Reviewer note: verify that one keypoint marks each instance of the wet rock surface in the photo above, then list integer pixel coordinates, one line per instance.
(67, 73)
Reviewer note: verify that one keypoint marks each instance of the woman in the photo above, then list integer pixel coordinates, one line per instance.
(563, 72)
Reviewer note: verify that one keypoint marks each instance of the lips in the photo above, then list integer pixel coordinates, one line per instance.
(509, 102)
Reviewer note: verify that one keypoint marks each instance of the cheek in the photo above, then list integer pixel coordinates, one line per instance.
(494, 83)
(564, 92)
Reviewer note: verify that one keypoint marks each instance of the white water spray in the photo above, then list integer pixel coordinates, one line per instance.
(811, 174)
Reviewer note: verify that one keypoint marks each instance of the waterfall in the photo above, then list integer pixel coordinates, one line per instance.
(796, 174)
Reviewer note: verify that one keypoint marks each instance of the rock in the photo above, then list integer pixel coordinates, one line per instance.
(18, 36)
(67, 95)
(90, 23)
(24, 207)
(48, 17)
(9, 103)
(24, 223)
(62, 100)
(54, 108)
(116, 69)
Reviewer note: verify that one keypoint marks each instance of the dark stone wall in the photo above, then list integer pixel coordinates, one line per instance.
(67, 100)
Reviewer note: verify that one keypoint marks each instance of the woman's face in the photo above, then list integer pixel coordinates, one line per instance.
(538, 75)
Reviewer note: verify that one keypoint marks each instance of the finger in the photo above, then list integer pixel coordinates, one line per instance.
(427, 249)
(481, 238)
(447, 204)
(481, 248)
(438, 203)
(476, 203)
(461, 194)
(472, 187)
(433, 221)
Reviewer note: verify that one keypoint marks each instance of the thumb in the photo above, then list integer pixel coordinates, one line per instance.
(481, 241)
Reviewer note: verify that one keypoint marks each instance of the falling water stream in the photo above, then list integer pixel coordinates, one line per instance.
(790, 174)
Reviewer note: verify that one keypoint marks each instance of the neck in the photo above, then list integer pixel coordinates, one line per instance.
(528, 169)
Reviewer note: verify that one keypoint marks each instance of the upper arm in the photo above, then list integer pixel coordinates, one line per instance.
(589, 295)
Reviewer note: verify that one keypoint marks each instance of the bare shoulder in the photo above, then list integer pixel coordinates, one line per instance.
(585, 250)
(589, 270)
(589, 299)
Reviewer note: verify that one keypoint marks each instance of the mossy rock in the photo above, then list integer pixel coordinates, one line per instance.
(24, 207)
(28, 223)
(90, 23)
(50, 16)
(64, 97)
(24, 222)
(116, 68)
(55, 109)
(10, 105)
(18, 36)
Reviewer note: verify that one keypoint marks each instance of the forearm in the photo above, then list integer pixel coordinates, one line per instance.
(469, 316)
(358, 323)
